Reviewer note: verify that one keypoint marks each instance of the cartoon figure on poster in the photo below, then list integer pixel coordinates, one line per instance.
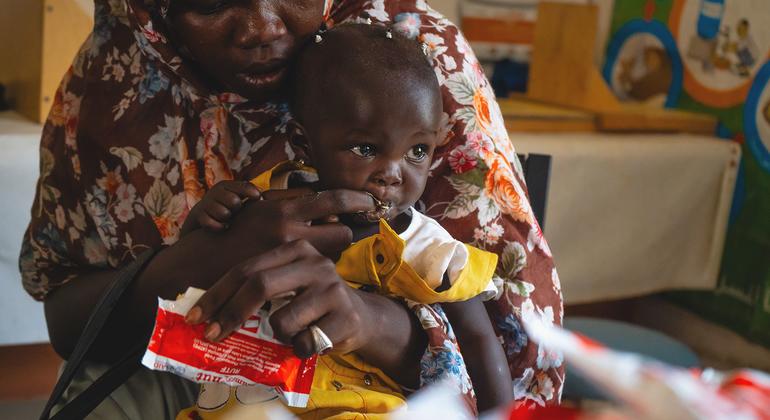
(766, 112)
(643, 72)
(723, 45)
(643, 64)
(756, 117)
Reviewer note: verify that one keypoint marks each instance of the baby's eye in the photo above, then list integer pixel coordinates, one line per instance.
(363, 150)
(418, 153)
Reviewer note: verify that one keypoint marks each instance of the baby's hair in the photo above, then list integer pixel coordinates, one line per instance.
(352, 52)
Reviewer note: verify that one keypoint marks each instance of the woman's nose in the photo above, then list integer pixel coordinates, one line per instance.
(258, 27)
(387, 176)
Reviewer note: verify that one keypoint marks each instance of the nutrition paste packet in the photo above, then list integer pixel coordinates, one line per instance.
(249, 356)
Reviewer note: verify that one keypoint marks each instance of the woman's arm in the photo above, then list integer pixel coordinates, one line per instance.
(193, 259)
(202, 258)
(67, 310)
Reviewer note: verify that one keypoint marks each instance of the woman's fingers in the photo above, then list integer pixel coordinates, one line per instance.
(247, 286)
(218, 212)
(321, 299)
(333, 202)
(280, 220)
(261, 287)
(287, 194)
(329, 239)
(328, 219)
(243, 189)
(329, 307)
(207, 222)
(338, 328)
(303, 310)
(232, 194)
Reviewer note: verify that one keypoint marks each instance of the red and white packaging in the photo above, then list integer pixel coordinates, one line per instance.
(249, 356)
(648, 389)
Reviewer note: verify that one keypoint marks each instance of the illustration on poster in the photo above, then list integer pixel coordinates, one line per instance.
(766, 111)
(647, 76)
(726, 51)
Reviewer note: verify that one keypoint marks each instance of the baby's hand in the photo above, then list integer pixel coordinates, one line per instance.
(218, 206)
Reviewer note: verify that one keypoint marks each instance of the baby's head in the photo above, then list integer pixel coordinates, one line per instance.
(370, 107)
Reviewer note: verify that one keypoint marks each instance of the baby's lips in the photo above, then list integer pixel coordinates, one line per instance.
(383, 198)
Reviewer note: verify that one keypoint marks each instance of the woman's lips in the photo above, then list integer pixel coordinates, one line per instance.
(260, 79)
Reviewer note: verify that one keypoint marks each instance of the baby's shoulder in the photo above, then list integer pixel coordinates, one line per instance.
(423, 226)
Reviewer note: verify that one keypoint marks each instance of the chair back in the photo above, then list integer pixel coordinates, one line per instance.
(537, 173)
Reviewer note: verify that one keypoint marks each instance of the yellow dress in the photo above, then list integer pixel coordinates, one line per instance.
(344, 386)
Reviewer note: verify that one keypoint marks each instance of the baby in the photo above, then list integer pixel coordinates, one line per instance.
(369, 105)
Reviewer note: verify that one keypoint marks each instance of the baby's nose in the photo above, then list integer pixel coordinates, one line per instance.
(388, 176)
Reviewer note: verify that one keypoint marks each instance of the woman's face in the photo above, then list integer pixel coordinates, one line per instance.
(244, 46)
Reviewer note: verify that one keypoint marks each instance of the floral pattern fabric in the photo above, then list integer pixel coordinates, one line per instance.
(135, 138)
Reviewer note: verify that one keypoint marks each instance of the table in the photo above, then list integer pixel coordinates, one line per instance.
(628, 215)
(21, 318)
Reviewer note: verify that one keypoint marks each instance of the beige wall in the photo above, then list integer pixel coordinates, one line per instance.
(449, 8)
(21, 34)
(38, 40)
(452, 9)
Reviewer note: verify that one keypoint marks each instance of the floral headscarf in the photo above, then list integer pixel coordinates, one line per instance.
(135, 138)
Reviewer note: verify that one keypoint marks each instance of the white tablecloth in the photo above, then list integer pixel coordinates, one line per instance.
(21, 318)
(629, 215)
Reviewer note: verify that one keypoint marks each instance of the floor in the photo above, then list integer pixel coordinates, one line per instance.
(33, 371)
(22, 410)
(733, 350)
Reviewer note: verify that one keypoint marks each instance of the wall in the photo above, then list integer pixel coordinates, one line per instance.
(21, 34)
(38, 40)
(711, 56)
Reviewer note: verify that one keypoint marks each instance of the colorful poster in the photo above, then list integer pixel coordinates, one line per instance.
(724, 42)
(711, 56)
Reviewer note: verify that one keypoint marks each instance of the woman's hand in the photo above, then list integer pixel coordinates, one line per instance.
(288, 215)
(198, 259)
(319, 297)
(202, 257)
(353, 320)
(299, 265)
(247, 264)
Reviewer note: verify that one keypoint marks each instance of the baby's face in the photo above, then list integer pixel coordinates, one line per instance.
(380, 143)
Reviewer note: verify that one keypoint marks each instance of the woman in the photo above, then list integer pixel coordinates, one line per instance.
(169, 97)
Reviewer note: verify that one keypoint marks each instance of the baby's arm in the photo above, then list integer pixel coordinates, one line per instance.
(218, 205)
(482, 351)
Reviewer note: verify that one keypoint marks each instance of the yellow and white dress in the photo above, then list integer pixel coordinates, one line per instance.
(410, 265)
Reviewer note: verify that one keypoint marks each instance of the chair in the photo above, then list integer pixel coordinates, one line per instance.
(617, 335)
(537, 172)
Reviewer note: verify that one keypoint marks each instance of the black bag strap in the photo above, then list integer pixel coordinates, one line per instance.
(86, 401)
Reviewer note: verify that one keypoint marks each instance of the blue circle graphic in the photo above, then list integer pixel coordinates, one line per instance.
(750, 128)
(659, 31)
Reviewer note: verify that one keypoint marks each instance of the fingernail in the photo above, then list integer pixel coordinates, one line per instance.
(213, 331)
(194, 316)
